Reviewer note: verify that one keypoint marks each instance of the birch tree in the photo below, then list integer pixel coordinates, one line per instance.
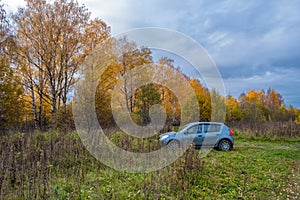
(53, 40)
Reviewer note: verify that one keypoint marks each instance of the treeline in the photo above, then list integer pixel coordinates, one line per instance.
(260, 106)
(43, 46)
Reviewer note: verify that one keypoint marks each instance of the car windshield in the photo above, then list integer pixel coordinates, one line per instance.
(183, 127)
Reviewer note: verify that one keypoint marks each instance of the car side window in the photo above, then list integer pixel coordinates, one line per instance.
(209, 128)
(200, 128)
(193, 130)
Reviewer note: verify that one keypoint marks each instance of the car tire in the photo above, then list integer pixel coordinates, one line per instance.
(173, 144)
(224, 145)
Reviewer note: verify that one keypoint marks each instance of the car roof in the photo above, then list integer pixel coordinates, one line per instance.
(194, 123)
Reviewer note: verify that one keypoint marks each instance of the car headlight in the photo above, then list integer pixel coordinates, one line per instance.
(164, 137)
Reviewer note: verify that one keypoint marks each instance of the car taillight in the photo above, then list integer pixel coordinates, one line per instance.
(230, 132)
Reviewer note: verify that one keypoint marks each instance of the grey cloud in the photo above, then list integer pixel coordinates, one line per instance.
(245, 38)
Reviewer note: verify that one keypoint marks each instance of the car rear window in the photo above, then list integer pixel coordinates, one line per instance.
(208, 128)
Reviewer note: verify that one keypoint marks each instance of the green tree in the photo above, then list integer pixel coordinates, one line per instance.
(145, 97)
(11, 93)
(218, 112)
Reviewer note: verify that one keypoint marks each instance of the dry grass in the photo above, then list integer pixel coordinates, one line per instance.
(57, 166)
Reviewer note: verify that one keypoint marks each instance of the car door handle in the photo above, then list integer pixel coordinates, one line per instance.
(217, 134)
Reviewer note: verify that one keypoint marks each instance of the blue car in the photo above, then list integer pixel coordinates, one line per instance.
(210, 134)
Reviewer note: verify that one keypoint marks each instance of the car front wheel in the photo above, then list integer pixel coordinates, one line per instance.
(173, 144)
(224, 145)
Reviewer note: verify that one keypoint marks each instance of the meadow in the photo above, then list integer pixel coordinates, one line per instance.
(53, 165)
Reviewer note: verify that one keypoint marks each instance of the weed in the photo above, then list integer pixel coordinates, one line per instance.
(53, 165)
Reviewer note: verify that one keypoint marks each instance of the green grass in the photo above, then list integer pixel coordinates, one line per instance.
(254, 169)
(54, 166)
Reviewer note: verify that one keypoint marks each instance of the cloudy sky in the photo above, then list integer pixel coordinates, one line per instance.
(255, 44)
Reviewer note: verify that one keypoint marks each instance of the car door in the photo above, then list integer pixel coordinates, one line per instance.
(194, 134)
(199, 137)
(211, 132)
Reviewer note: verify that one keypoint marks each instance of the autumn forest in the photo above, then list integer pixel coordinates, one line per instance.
(42, 48)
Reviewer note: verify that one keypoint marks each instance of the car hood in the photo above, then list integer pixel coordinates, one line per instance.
(169, 134)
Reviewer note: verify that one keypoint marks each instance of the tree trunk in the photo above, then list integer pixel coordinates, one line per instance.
(40, 113)
(64, 99)
(33, 107)
(54, 113)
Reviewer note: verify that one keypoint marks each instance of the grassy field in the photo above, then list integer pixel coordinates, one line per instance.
(54, 166)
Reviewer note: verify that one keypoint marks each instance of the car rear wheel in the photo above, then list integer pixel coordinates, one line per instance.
(173, 144)
(224, 145)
